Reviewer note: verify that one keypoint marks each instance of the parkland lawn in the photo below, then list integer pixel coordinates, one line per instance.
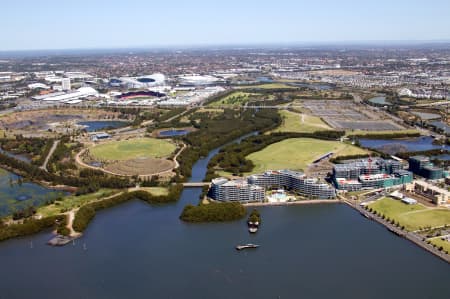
(237, 98)
(298, 153)
(413, 217)
(72, 202)
(299, 123)
(439, 242)
(133, 149)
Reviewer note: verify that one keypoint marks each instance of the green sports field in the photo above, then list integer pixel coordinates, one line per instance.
(133, 149)
(413, 217)
(298, 153)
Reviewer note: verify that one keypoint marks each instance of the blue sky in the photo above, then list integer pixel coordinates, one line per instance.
(52, 24)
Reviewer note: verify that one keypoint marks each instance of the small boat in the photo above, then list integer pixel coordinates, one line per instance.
(253, 229)
(246, 246)
(253, 221)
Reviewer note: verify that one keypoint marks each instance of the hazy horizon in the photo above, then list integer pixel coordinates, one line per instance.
(56, 25)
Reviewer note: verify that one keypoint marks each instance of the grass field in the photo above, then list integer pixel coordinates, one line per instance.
(71, 202)
(413, 217)
(439, 242)
(133, 149)
(295, 122)
(156, 191)
(298, 153)
(237, 98)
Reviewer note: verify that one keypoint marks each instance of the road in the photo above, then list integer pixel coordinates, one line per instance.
(50, 153)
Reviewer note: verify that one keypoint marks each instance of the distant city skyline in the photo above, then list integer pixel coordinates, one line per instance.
(50, 24)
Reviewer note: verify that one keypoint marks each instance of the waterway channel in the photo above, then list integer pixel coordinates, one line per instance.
(140, 251)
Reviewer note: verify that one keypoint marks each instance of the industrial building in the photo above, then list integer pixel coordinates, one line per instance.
(422, 166)
(370, 174)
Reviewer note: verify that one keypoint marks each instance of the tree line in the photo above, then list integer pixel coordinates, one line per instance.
(213, 212)
(221, 129)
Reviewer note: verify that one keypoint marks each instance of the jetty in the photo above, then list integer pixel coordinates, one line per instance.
(60, 240)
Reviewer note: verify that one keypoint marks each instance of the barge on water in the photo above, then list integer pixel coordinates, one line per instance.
(246, 246)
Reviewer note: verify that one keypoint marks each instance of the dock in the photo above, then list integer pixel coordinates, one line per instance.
(60, 240)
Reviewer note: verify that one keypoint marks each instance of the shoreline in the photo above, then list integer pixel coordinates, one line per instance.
(291, 203)
(410, 236)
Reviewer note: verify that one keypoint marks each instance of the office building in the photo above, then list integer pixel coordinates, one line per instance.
(65, 83)
(422, 166)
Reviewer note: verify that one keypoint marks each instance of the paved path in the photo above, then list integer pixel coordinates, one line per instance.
(50, 153)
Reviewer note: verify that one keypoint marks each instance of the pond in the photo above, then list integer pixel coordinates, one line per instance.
(16, 195)
(380, 100)
(92, 126)
(173, 133)
(424, 143)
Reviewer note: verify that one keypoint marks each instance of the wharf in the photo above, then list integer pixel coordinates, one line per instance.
(60, 240)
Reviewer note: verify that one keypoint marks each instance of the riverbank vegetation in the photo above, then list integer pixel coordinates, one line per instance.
(213, 212)
(216, 130)
(383, 134)
(31, 226)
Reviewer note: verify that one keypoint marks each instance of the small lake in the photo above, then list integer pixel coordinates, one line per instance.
(16, 196)
(92, 126)
(317, 86)
(424, 143)
(380, 100)
(173, 133)
(264, 80)
(22, 158)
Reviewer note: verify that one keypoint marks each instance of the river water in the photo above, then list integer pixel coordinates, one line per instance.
(423, 143)
(140, 251)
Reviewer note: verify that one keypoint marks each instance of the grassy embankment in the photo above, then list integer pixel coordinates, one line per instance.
(133, 148)
(296, 122)
(298, 153)
(412, 217)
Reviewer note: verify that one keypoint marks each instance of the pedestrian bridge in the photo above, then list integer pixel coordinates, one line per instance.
(195, 184)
